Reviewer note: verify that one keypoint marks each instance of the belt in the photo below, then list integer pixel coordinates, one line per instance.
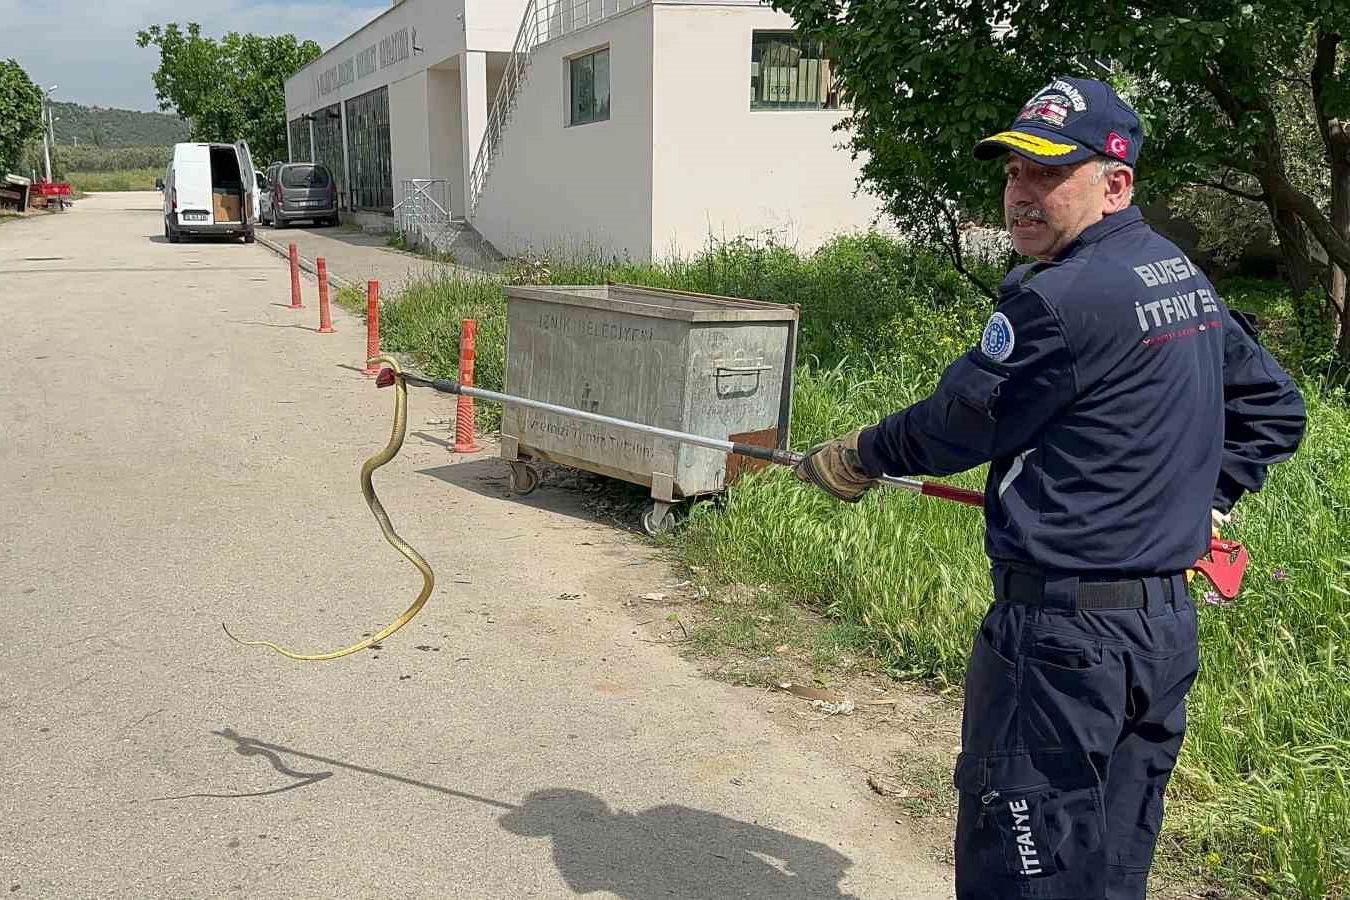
(1023, 586)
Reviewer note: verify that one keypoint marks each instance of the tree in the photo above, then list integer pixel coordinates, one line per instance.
(20, 112)
(1212, 80)
(228, 90)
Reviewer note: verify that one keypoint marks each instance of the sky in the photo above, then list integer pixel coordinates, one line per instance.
(88, 49)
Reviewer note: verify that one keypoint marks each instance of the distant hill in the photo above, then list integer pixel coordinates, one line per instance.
(96, 126)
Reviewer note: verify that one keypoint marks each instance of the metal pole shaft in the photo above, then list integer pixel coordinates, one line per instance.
(783, 458)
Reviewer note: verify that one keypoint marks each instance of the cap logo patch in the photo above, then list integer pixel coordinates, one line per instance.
(1052, 109)
(998, 340)
(1074, 95)
(1117, 146)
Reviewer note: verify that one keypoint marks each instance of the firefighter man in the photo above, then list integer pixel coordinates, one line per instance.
(1124, 410)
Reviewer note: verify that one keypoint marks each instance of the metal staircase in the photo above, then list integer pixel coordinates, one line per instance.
(544, 21)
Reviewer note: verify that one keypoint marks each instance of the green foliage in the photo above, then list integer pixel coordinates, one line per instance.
(858, 287)
(67, 160)
(1222, 87)
(1301, 339)
(424, 321)
(230, 89)
(122, 180)
(99, 127)
(20, 112)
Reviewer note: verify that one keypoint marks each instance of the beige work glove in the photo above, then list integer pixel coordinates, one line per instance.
(836, 468)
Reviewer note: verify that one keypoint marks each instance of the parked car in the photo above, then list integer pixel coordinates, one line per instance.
(265, 206)
(210, 189)
(300, 192)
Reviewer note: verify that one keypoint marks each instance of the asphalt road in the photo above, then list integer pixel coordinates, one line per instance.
(180, 451)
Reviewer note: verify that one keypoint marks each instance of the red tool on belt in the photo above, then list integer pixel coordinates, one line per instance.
(1225, 565)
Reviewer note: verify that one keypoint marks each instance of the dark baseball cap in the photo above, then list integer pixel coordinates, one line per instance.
(1070, 120)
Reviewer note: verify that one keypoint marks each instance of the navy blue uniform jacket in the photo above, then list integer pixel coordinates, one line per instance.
(1117, 399)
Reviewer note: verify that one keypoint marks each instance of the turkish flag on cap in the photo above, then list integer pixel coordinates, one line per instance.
(1118, 146)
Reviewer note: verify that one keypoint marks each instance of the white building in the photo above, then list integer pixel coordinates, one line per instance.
(637, 127)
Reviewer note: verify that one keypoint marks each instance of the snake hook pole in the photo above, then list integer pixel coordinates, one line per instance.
(391, 374)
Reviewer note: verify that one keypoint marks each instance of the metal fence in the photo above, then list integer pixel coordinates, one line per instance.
(544, 20)
(422, 214)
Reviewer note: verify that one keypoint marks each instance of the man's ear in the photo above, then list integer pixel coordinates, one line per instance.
(1119, 189)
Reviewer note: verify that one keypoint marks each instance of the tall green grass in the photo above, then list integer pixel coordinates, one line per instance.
(1261, 798)
(126, 180)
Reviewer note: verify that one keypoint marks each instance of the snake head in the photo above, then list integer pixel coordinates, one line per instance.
(389, 374)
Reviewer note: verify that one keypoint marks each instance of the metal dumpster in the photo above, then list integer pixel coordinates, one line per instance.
(715, 366)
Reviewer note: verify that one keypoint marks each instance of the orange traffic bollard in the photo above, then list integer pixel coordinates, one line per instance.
(372, 325)
(295, 279)
(464, 430)
(325, 313)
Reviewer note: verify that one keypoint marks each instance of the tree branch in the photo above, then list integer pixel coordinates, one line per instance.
(1218, 186)
(1323, 231)
(1227, 100)
(1324, 64)
(958, 259)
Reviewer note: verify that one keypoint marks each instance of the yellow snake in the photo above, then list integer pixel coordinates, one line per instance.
(402, 546)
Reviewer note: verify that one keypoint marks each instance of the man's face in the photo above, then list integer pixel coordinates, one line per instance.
(1046, 207)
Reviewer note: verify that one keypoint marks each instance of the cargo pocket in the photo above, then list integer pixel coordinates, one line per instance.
(1031, 819)
(989, 717)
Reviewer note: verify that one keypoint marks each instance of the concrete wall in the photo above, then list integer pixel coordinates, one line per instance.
(565, 188)
(493, 24)
(410, 144)
(720, 167)
(445, 131)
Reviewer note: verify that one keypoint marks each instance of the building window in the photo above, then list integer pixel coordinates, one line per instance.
(328, 145)
(300, 140)
(790, 72)
(372, 178)
(589, 87)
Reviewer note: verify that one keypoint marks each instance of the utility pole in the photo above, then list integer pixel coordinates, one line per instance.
(47, 130)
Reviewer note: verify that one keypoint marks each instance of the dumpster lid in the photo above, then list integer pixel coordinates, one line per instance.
(658, 303)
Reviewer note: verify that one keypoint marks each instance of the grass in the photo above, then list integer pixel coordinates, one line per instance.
(128, 180)
(1261, 799)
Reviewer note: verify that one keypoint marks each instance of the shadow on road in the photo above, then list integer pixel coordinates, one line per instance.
(573, 493)
(662, 852)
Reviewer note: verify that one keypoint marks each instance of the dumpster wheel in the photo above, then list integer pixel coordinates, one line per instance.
(660, 519)
(524, 479)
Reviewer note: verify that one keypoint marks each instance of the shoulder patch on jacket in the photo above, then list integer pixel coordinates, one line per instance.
(998, 340)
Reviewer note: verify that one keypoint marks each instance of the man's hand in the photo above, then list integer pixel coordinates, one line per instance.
(836, 468)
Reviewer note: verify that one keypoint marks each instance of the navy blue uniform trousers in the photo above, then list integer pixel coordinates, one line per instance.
(1073, 722)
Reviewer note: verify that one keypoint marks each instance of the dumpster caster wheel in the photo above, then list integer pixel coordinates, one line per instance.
(523, 479)
(659, 520)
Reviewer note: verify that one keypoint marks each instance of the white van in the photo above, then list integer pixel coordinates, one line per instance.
(210, 189)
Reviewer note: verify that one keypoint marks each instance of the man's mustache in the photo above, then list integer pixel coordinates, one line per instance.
(1026, 211)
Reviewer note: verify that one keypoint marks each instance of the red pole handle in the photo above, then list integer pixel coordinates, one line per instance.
(947, 492)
